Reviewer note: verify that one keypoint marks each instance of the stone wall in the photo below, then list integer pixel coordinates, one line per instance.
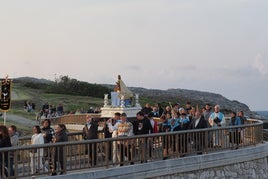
(251, 170)
(246, 163)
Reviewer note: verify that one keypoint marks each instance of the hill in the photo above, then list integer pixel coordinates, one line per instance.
(146, 95)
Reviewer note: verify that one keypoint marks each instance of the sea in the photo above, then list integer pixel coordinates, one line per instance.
(262, 114)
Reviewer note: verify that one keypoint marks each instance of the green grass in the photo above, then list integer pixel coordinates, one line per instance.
(22, 113)
(39, 97)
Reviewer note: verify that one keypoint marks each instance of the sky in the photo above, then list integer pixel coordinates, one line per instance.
(219, 46)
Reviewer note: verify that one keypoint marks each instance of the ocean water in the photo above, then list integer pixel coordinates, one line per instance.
(262, 114)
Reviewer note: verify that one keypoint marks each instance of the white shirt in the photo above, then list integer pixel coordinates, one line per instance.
(196, 122)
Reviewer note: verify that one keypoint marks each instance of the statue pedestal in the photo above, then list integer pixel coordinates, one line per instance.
(109, 111)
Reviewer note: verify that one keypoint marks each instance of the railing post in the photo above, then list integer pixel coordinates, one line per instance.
(107, 153)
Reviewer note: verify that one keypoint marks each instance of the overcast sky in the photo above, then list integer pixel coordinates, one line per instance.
(219, 46)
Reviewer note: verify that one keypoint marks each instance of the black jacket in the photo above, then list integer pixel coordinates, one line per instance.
(201, 125)
(92, 132)
(142, 126)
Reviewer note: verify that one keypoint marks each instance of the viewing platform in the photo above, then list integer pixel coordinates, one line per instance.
(153, 156)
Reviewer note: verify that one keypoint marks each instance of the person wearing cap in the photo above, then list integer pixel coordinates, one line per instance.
(124, 129)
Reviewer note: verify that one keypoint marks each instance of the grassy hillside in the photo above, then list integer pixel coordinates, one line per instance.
(39, 97)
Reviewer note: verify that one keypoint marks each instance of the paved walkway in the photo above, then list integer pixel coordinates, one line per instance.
(20, 120)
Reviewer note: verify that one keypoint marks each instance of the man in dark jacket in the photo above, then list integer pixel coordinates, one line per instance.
(90, 131)
(199, 139)
(143, 126)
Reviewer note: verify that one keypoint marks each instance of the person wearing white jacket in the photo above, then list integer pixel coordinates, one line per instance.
(37, 154)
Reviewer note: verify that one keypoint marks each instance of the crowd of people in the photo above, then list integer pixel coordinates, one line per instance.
(51, 111)
(173, 118)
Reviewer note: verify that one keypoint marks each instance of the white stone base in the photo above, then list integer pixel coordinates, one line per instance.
(109, 111)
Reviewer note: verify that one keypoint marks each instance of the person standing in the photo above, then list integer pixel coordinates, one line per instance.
(217, 120)
(4, 142)
(60, 136)
(235, 134)
(207, 112)
(142, 126)
(112, 134)
(14, 139)
(48, 134)
(124, 128)
(90, 131)
(199, 139)
(36, 155)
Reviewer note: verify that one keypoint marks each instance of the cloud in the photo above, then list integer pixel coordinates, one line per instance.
(261, 65)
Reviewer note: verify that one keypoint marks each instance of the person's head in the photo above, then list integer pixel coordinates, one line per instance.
(147, 105)
(197, 115)
(12, 130)
(140, 115)
(188, 104)
(207, 106)
(3, 131)
(192, 111)
(233, 114)
(60, 127)
(168, 115)
(88, 118)
(175, 114)
(183, 115)
(168, 108)
(36, 129)
(46, 123)
(151, 115)
(117, 116)
(241, 113)
(217, 108)
(123, 117)
(155, 109)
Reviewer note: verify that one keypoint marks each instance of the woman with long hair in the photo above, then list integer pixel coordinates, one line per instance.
(60, 136)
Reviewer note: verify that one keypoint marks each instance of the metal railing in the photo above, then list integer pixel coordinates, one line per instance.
(79, 154)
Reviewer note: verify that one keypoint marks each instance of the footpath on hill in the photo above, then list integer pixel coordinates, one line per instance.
(20, 120)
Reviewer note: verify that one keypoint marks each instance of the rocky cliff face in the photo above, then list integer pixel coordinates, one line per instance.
(195, 97)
